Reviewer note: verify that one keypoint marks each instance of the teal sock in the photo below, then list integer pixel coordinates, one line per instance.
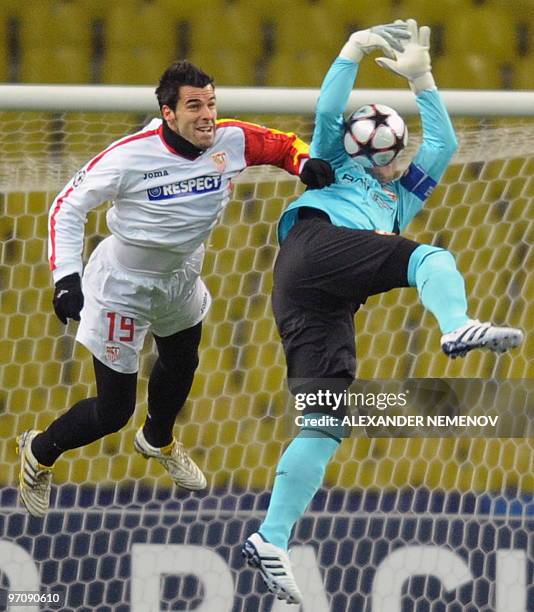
(440, 285)
(299, 475)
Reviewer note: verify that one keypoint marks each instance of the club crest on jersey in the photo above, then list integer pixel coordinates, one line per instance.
(187, 187)
(391, 194)
(382, 199)
(219, 159)
(78, 178)
(112, 352)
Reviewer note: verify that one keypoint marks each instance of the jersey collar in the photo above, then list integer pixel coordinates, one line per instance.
(177, 144)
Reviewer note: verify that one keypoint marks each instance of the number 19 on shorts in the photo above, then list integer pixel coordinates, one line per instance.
(120, 328)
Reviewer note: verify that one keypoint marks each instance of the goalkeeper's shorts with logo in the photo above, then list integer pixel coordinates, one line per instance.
(322, 275)
(121, 305)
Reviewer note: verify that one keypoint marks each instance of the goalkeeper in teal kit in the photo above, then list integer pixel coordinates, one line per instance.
(340, 245)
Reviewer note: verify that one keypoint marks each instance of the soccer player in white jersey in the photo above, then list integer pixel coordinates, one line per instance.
(340, 245)
(169, 184)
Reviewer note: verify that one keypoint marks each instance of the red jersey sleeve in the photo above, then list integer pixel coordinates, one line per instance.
(267, 146)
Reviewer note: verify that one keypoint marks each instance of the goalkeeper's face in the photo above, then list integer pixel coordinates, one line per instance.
(194, 116)
(385, 174)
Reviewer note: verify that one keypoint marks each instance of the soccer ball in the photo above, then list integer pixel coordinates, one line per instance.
(374, 135)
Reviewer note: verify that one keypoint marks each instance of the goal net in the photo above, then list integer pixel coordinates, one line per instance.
(401, 523)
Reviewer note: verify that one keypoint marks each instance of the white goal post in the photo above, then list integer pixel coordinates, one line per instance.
(411, 524)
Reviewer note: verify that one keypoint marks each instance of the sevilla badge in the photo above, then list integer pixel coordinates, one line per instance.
(112, 352)
(219, 159)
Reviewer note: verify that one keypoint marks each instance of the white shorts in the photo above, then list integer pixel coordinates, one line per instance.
(121, 305)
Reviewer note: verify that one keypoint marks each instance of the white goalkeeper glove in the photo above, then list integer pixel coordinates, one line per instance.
(413, 61)
(384, 37)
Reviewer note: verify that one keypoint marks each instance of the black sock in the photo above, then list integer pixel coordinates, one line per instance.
(79, 426)
(167, 393)
(89, 419)
(170, 382)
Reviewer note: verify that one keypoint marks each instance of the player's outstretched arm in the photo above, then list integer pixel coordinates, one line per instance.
(339, 80)
(96, 182)
(267, 146)
(327, 142)
(439, 140)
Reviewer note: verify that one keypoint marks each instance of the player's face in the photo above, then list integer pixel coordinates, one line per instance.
(385, 174)
(195, 115)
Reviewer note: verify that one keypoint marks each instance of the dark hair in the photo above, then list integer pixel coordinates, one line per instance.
(176, 75)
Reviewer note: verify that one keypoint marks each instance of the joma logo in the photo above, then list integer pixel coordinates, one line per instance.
(155, 174)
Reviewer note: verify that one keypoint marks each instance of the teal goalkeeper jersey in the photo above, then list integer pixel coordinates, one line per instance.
(357, 200)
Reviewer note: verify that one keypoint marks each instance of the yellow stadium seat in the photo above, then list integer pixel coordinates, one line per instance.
(226, 66)
(4, 56)
(372, 76)
(300, 27)
(10, 14)
(303, 69)
(488, 31)
(229, 26)
(475, 71)
(520, 8)
(524, 73)
(55, 23)
(427, 13)
(57, 65)
(140, 24)
(345, 17)
(136, 66)
(11, 7)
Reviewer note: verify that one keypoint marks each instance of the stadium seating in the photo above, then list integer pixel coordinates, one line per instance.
(139, 59)
(61, 64)
(55, 23)
(143, 24)
(135, 66)
(494, 34)
(6, 14)
(372, 76)
(524, 73)
(227, 25)
(303, 27)
(473, 71)
(351, 16)
(427, 13)
(227, 66)
(55, 41)
(298, 69)
(242, 43)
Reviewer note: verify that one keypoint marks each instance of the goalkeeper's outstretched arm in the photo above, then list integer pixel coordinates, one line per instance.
(327, 142)
(439, 140)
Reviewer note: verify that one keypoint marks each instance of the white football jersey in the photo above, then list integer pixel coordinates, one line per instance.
(161, 200)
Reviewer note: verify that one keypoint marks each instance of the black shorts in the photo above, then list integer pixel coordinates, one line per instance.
(322, 275)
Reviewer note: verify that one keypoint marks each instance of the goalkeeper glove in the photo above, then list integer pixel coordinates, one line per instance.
(317, 173)
(385, 37)
(413, 61)
(68, 298)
